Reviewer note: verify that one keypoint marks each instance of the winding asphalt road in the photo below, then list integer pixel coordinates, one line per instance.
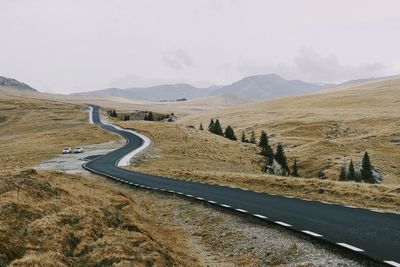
(370, 233)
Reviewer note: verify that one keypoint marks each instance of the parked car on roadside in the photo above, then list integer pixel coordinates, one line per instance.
(78, 149)
(67, 150)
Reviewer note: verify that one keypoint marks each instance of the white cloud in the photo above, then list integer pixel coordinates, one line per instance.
(309, 65)
(312, 66)
(178, 59)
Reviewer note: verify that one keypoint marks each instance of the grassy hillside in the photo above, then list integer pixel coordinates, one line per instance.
(32, 130)
(57, 219)
(325, 129)
(191, 154)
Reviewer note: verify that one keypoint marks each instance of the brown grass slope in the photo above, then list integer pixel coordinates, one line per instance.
(32, 130)
(325, 129)
(55, 219)
(191, 154)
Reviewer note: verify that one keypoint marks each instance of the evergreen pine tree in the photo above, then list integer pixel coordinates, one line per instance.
(229, 133)
(342, 175)
(295, 169)
(281, 158)
(357, 177)
(263, 144)
(351, 174)
(366, 171)
(211, 126)
(127, 117)
(217, 129)
(244, 139)
(201, 127)
(253, 137)
(150, 117)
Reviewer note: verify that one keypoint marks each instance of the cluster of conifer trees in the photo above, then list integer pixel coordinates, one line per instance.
(216, 128)
(279, 156)
(158, 117)
(266, 150)
(364, 175)
(112, 113)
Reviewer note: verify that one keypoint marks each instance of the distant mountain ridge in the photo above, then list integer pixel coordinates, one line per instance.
(155, 93)
(9, 82)
(253, 87)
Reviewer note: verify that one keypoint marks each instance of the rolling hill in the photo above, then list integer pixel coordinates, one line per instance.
(14, 84)
(323, 130)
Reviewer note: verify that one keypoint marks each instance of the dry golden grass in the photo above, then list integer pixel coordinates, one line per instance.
(189, 150)
(196, 155)
(325, 129)
(55, 219)
(33, 130)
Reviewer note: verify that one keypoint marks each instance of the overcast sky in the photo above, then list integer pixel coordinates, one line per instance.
(79, 45)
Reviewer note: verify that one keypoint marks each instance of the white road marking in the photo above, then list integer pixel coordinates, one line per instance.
(212, 202)
(91, 115)
(240, 210)
(350, 247)
(326, 202)
(379, 211)
(283, 223)
(349, 206)
(171, 191)
(225, 205)
(189, 195)
(199, 198)
(311, 233)
(393, 263)
(260, 216)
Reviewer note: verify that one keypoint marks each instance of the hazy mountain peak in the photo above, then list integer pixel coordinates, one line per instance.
(264, 86)
(12, 83)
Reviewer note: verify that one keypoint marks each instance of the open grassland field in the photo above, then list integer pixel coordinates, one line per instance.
(56, 219)
(32, 130)
(191, 154)
(325, 129)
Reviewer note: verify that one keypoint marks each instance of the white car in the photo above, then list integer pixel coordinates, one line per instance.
(78, 150)
(67, 150)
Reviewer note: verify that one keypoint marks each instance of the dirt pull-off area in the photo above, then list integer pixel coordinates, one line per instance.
(72, 163)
